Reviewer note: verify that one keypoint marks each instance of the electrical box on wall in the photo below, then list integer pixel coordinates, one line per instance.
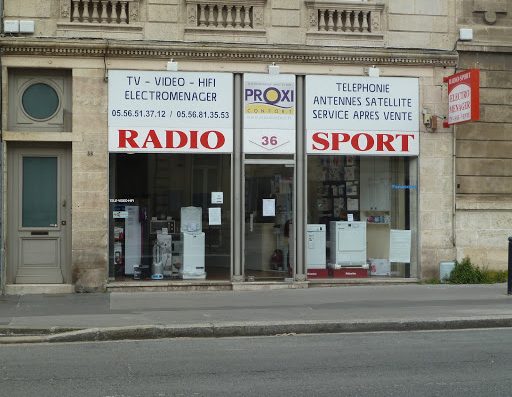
(11, 26)
(15, 26)
(27, 26)
(465, 34)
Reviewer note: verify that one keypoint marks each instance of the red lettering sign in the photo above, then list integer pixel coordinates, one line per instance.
(363, 142)
(463, 97)
(155, 140)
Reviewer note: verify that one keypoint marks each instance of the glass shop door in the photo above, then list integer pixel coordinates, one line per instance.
(269, 249)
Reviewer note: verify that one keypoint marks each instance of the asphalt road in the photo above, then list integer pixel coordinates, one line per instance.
(443, 363)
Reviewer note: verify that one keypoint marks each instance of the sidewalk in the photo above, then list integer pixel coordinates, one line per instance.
(142, 315)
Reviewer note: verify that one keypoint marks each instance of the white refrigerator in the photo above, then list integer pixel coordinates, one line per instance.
(192, 236)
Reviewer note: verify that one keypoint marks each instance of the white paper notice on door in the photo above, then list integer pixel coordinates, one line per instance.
(400, 246)
(217, 197)
(269, 207)
(214, 217)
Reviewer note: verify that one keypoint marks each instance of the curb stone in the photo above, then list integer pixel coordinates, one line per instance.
(220, 330)
(28, 331)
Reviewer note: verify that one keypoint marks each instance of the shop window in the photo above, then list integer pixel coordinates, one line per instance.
(170, 216)
(39, 100)
(361, 217)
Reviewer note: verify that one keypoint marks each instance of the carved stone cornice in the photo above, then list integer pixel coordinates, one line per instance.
(239, 52)
(484, 47)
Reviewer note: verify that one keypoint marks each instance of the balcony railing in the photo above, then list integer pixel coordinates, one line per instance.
(100, 11)
(345, 18)
(225, 15)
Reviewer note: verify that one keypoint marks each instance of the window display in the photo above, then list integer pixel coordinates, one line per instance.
(361, 202)
(161, 226)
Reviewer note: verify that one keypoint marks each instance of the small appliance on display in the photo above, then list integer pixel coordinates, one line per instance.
(118, 248)
(133, 239)
(348, 249)
(315, 251)
(177, 254)
(162, 255)
(193, 240)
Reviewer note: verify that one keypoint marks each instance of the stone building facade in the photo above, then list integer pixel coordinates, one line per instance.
(483, 184)
(462, 204)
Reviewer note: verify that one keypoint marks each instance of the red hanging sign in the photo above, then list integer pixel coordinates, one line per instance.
(463, 97)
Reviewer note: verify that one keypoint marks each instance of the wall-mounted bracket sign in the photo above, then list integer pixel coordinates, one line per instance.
(165, 112)
(269, 113)
(463, 97)
(350, 115)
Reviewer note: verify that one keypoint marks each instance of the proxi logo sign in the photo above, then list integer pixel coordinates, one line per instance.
(270, 100)
(269, 113)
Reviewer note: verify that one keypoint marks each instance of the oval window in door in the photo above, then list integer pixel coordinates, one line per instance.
(40, 101)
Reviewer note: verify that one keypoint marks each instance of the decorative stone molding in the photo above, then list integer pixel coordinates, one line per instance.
(490, 9)
(345, 18)
(100, 11)
(228, 52)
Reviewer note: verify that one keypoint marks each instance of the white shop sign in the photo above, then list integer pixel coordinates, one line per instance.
(162, 111)
(362, 115)
(269, 113)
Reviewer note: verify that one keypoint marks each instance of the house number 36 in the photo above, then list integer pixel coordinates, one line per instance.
(269, 140)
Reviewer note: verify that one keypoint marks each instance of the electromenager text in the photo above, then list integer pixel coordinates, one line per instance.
(147, 95)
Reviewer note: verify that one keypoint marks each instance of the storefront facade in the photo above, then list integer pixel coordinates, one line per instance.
(157, 164)
(170, 153)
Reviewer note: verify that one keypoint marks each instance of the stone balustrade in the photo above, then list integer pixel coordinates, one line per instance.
(101, 11)
(345, 18)
(223, 15)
